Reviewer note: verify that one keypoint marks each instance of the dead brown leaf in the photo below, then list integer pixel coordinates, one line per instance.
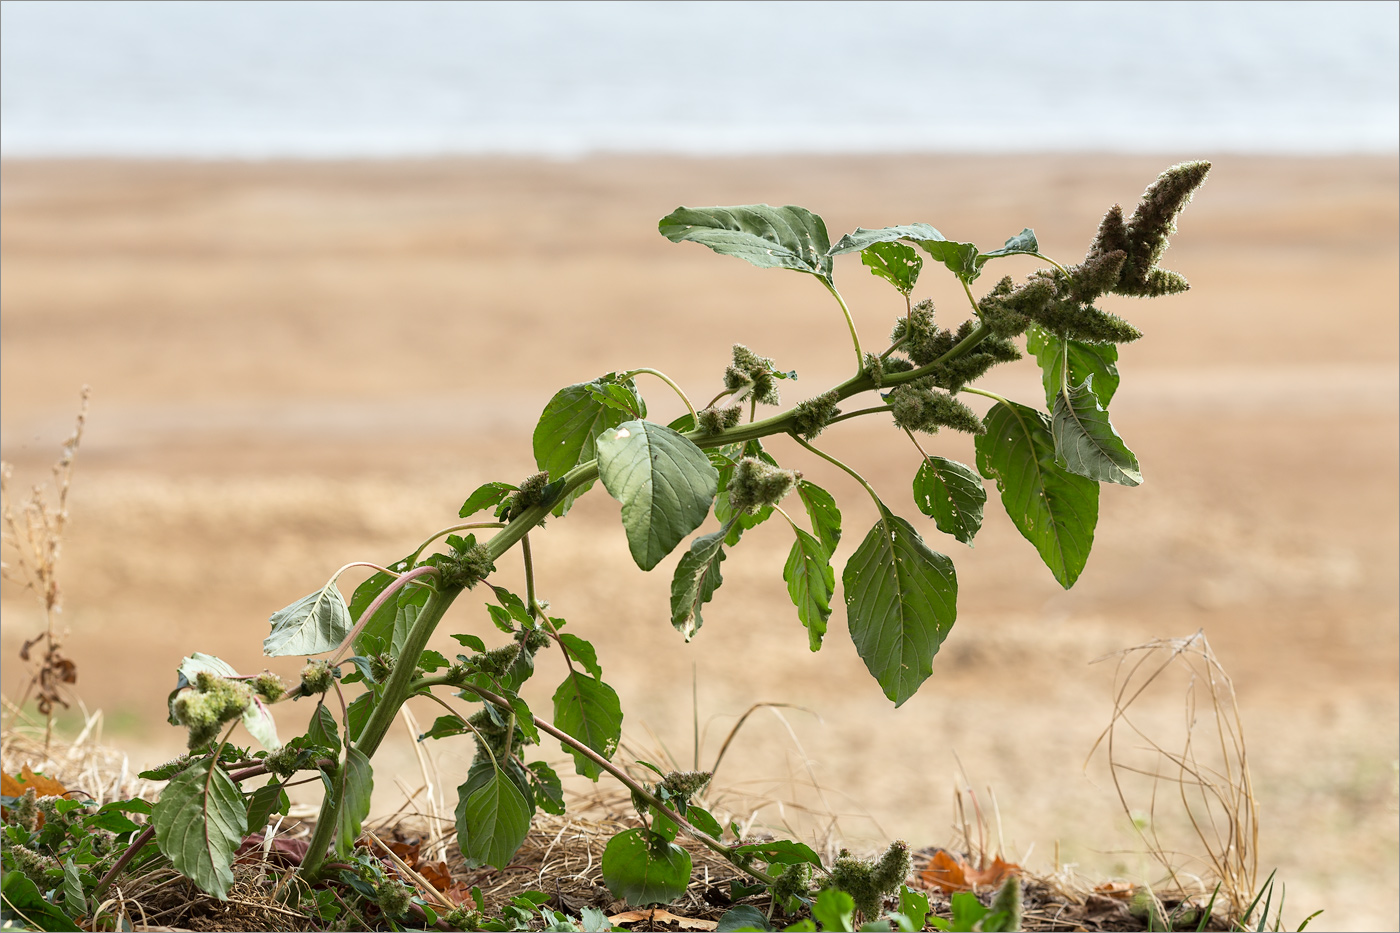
(43, 786)
(949, 871)
(657, 915)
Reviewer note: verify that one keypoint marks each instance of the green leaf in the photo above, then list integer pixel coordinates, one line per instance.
(664, 482)
(696, 579)
(743, 917)
(493, 818)
(901, 601)
(409, 602)
(322, 729)
(895, 262)
(863, 238)
(835, 910)
(962, 258)
(470, 641)
(643, 868)
(74, 901)
(316, 623)
(487, 496)
(821, 509)
(589, 710)
(354, 787)
(1085, 441)
(263, 802)
(1022, 244)
(811, 583)
(200, 821)
(444, 726)
(967, 911)
(382, 625)
(1053, 509)
(567, 431)
(549, 790)
(702, 820)
(23, 905)
(1053, 353)
(524, 718)
(624, 398)
(914, 905)
(952, 495)
(786, 237)
(582, 652)
(782, 852)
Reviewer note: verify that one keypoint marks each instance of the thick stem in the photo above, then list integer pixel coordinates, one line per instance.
(396, 691)
(135, 847)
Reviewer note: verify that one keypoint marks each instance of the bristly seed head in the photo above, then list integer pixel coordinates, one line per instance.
(916, 407)
(316, 677)
(756, 484)
(811, 417)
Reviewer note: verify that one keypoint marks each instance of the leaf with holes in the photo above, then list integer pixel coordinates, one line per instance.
(641, 867)
(901, 602)
(1057, 354)
(1055, 510)
(1085, 441)
(952, 495)
(665, 484)
(787, 237)
(199, 821)
(821, 509)
(696, 578)
(316, 623)
(589, 710)
(895, 262)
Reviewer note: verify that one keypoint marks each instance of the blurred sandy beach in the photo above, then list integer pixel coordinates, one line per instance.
(299, 364)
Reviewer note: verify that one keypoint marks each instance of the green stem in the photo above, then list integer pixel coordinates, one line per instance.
(1053, 263)
(856, 414)
(854, 475)
(850, 322)
(465, 526)
(666, 379)
(984, 393)
(396, 690)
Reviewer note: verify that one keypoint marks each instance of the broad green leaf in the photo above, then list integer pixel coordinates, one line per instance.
(524, 718)
(409, 602)
(354, 786)
(588, 710)
(1085, 442)
(567, 431)
(914, 905)
(487, 496)
(382, 625)
(583, 653)
(200, 821)
(316, 623)
(743, 917)
(1022, 244)
(23, 905)
(643, 868)
(263, 802)
(835, 910)
(863, 238)
(702, 820)
(782, 852)
(952, 495)
(322, 729)
(665, 484)
(1053, 509)
(788, 237)
(696, 579)
(624, 398)
(492, 819)
(901, 601)
(549, 790)
(1083, 360)
(894, 262)
(821, 509)
(962, 258)
(811, 583)
(444, 726)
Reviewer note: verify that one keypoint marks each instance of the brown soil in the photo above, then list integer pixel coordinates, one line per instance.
(299, 365)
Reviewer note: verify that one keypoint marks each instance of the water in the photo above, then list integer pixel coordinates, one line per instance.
(257, 79)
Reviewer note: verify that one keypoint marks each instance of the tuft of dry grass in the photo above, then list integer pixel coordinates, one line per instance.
(31, 537)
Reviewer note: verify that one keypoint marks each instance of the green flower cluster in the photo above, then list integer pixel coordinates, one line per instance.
(811, 417)
(917, 407)
(316, 678)
(685, 784)
(926, 344)
(868, 883)
(714, 420)
(753, 375)
(213, 702)
(466, 569)
(756, 484)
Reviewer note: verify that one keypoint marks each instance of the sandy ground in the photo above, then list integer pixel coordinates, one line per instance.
(299, 365)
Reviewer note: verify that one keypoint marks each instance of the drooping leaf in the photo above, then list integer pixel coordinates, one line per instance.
(643, 868)
(549, 790)
(787, 237)
(316, 623)
(582, 652)
(962, 258)
(863, 238)
(825, 516)
(493, 818)
(914, 905)
(444, 726)
(1086, 443)
(200, 821)
(322, 729)
(1022, 244)
(1053, 509)
(257, 719)
(23, 904)
(409, 601)
(665, 484)
(589, 710)
(702, 820)
(263, 802)
(354, 785)
(487, 496)
(358, 713)
(901, 601)
(1054, 353)
(567, 431)
(743, 917)
(952, 495)
(74, 900)
(624, 398)
(811, 583)
(894, 262)
(695, 581)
